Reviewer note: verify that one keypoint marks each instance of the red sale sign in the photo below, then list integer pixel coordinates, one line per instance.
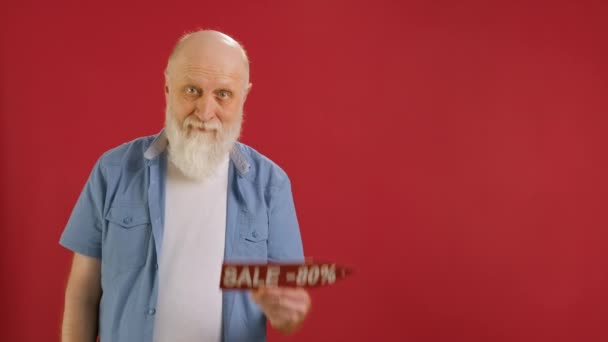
(251, 276)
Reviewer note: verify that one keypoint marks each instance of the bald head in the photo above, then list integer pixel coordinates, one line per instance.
(212, 50)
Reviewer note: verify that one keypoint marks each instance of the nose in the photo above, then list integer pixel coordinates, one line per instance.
(206, 108)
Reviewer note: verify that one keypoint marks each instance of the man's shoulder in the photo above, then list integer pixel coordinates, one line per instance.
(130, 153)
(262, 168)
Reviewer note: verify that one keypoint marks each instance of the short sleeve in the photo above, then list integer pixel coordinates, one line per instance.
(284, 240)
(83, 231)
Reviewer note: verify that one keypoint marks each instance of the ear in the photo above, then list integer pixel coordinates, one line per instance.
(247, 90)
(166, 82)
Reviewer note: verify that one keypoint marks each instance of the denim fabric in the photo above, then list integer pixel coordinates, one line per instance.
(119, 219)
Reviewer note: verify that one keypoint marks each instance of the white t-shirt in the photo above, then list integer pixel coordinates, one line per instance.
(189, 305)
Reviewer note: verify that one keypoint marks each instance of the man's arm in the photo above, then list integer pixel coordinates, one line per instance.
(285, 308)
(82, 295)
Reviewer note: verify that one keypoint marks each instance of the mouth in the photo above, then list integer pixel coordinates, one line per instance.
(191, 130)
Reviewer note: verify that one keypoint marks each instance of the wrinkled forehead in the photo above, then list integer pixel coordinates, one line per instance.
(208, 67)
(207, 76)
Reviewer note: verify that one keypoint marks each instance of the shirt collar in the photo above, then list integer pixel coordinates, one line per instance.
(160, 142)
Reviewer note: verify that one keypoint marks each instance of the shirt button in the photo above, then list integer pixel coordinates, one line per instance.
(127, 220)
(254, 234)
(151, 312)
(156, 266)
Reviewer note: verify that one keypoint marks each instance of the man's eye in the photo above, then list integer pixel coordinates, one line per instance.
(192, 91)
(224, 94)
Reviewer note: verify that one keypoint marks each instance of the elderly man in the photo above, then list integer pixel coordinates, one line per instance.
(160, 214)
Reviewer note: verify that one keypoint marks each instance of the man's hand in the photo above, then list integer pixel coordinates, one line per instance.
(285, 308)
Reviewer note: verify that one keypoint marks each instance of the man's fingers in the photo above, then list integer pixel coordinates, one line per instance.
(287, 313)
(294, 293)
(275, 299)
(285, 308)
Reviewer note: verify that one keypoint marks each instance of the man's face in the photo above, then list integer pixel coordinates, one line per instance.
(205, 95)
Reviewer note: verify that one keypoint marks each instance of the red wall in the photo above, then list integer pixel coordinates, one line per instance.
(453, 152)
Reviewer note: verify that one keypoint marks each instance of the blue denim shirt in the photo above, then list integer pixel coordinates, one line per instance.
(119, 219)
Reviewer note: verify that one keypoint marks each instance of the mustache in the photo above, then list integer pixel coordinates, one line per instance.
(193, 122)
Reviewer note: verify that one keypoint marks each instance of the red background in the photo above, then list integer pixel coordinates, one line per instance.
(452, 152)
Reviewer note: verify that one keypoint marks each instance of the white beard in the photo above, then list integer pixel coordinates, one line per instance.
(197, 154)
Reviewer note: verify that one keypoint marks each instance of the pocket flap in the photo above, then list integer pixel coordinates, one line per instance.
(255, 234)
(254, 228)
(128, 217)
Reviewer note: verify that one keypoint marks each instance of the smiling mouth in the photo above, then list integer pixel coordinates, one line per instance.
(191, 130)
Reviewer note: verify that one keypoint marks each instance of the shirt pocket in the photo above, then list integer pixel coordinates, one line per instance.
(127, 238)
(253, 233)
